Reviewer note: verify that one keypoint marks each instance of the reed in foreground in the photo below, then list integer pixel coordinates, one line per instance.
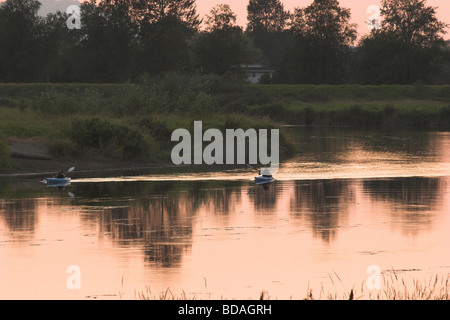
(437, 287)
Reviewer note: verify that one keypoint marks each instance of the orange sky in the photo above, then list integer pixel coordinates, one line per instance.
(358, 8)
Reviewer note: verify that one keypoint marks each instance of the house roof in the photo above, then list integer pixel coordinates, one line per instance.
(255, 68)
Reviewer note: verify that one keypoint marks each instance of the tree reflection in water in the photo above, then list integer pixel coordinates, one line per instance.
(159, 217)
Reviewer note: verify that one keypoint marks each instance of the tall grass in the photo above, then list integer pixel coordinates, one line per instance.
(23, 124)
(393, 287)
(437, 287)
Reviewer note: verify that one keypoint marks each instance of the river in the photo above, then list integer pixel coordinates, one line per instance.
(349, 202)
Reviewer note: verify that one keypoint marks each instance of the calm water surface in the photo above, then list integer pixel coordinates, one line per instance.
(349, 199)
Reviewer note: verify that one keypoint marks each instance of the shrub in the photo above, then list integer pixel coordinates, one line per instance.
(275, 111)
(93, 133)
(91, 101)
(265, 79)
(157, 129)
(235, 106)
(62, 147)
(52, 101)
(114, 140)
(6, 102)
(5, 160)
(228, 83)
(314, 96)
(444, 118)
(309, 115)
(204, 103)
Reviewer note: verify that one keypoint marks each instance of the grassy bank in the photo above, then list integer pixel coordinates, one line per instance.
(415, 107)
(135, 121)
(130, 122)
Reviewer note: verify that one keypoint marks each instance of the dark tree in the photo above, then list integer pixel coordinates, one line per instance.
(327, 21)
(223, 46)
(406, 49)
(154, 11)
(20, 50)
(266, 15)
(221, 17)
(267, 21)
(106, 44)
(377, 60)
(58, 44)
(324, 35)
(412, 22)
(166, 28)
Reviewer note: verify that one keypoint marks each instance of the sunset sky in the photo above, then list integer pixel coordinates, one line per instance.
(359, 9)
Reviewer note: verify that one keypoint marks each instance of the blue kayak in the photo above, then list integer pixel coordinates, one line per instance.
(58, 181)
(264, 179)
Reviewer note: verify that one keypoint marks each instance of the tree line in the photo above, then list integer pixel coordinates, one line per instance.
(124, 40)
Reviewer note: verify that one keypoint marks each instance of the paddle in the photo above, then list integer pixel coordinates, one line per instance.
(250, 166)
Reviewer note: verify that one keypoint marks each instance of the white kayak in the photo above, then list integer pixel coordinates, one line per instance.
(264, 179)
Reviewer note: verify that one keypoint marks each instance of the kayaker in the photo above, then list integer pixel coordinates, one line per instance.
(265, 173)
(60, 174)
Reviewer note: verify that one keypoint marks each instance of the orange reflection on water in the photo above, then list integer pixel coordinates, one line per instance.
(214, 239)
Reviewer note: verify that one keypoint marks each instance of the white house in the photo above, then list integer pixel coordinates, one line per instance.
(254, 72)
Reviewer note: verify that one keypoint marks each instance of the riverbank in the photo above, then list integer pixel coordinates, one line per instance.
(30, 167)
(31, 157)
(122, 125)
(384, 106)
